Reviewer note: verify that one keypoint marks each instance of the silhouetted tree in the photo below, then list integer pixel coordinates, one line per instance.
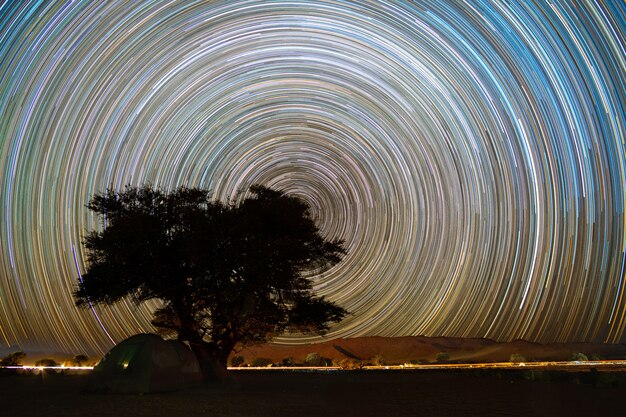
(227, 274)
(47, 362)
(79, 359)
(12, 359)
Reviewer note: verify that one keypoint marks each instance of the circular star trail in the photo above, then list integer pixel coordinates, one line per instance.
(471, 153)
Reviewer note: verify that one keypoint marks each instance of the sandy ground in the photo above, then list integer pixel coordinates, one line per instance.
(364, 393)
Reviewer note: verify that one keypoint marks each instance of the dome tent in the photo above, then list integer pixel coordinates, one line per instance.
(146, 363)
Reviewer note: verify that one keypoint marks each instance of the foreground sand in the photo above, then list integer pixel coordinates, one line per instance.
(271, 393)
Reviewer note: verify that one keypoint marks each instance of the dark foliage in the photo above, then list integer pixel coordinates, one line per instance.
(237, 360)
(47, 362)
(13, 359)
(227, 274)
(261, 362)
(79, 359)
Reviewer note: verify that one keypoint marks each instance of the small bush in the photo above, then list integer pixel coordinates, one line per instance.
(315, 359)
(350, 364)
(378, 360)
(442, 357)
(262, 362)
(516, 358)
(579, 357)
(237, 361)
(289, 362)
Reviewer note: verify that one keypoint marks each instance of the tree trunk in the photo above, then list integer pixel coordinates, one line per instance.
(212, 364)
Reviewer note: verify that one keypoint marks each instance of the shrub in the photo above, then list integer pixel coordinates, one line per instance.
(289, 362)
(377, 360)
(237, 361)
(579, 357)
(516, 358)
(350, 364)
(315, 359)
(262, 362)
(442, 357)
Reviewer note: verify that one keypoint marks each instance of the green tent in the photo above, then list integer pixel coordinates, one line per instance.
(146, 363)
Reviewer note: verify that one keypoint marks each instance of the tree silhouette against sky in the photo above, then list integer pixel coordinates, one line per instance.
(227, 274)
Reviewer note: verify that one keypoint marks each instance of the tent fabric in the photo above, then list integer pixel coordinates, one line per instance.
(146, 363)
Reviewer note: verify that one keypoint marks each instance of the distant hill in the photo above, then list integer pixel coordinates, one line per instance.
(398, 350)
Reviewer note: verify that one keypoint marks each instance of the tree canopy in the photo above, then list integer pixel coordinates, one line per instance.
(227, 274)
(13, 359)
(80, 359)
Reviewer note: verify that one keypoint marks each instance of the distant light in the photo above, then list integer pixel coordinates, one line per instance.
(41, 368)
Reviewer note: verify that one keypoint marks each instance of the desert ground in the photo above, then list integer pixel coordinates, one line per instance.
(347, 393)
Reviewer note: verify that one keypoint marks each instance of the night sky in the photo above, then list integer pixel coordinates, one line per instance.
(472, 154)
